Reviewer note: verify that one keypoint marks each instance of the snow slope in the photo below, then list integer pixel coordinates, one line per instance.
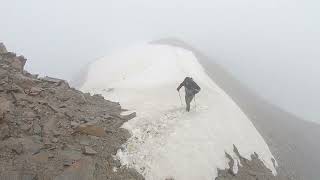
(167, 141)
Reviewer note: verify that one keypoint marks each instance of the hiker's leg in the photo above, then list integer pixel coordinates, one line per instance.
(188, 107)
(189, 97)
(188, 101)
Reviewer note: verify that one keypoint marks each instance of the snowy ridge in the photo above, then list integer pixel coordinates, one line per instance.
(166, 141)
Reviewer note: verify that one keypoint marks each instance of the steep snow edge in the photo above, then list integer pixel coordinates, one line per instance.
(166, 141)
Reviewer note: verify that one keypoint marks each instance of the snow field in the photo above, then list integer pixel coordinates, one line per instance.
(167, 141)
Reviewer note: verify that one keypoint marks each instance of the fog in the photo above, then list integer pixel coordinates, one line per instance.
(270, 45)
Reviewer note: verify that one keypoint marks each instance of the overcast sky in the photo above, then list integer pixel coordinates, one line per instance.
(270, 45)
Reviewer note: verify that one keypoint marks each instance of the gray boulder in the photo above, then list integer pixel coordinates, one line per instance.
(3, 48)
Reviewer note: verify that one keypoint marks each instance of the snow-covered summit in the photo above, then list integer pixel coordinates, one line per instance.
(167, 141)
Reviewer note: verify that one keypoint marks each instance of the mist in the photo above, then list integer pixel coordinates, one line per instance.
(271, 46)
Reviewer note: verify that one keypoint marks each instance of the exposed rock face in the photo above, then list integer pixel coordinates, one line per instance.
(253, 169)
(3, 49)
(51, 131)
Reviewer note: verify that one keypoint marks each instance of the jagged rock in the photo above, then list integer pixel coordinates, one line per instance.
(64, 98)
(25, 82)
(84, 140)
(23, 61)
(15, 89)
(25, 144)
(35, 134)
(28, 114)
(68, 162)
(35, 91)
(56, 81)
(83, 120)
(32, 76)
(4, 131)
(51, 79)
(3, 48)
(62, 106)
(41, 157)
(5, 107)
(18, 176)
(56, 133)
(16, 147)
(54, 140)
(37, 129)
(50, 156)
(89, 151)
(9, 55)
(25, 127)
(82, 99)
(91, 130)
(70, 155)
(80, 170)
(18, 63)
(129, 116)
(74, 124)
(99, 96)
(253, 169)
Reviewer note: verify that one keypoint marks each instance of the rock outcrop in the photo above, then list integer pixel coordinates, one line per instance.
(253, 169)
(51, 131)
(3, 48)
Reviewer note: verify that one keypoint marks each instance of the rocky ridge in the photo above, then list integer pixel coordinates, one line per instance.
(253, 169)
(50, 131)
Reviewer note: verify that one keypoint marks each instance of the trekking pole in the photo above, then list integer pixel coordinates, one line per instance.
(180, 98)
(195, 103)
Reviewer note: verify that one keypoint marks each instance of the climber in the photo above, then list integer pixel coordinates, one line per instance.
(191, 89)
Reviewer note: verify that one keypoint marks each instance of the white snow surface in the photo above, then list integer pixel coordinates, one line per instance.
(167, 141)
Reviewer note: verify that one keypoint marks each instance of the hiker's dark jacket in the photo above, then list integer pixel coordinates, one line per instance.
(190, 86)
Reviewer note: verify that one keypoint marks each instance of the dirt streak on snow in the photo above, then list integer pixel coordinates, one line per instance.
(166, 141)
